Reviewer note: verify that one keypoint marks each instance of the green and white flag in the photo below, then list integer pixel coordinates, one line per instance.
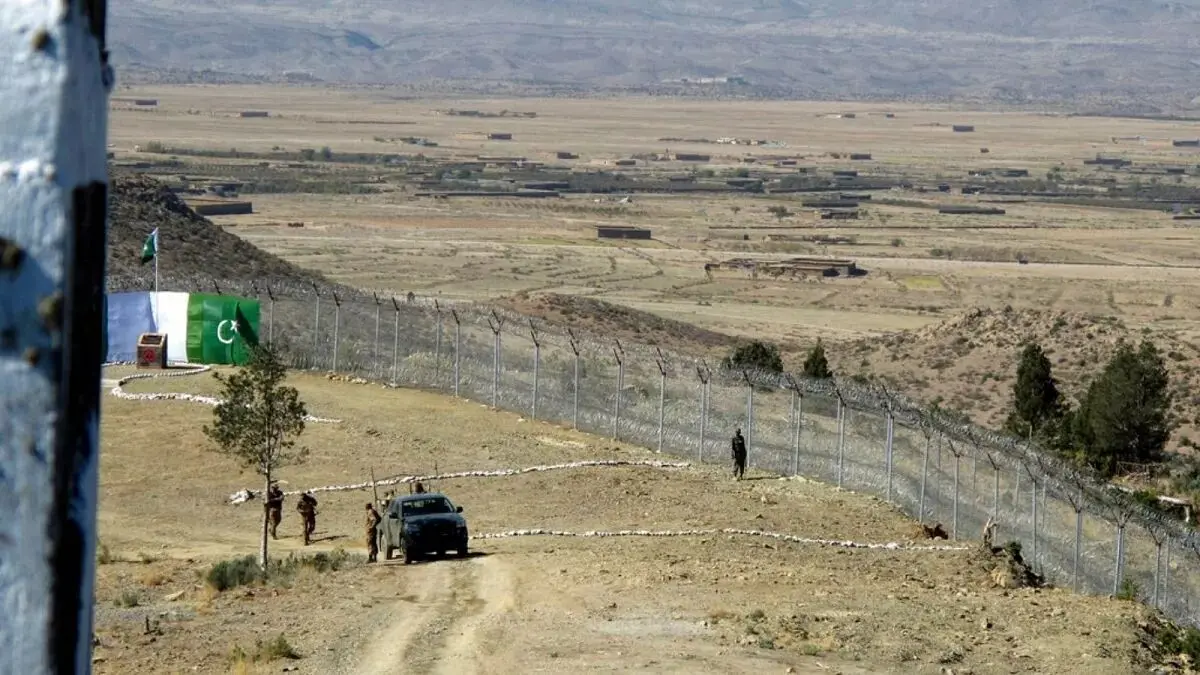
(150, 247)
(205, 328)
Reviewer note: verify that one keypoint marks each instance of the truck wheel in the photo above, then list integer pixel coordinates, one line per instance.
(408, 554)
(388, 551)
(462, 550)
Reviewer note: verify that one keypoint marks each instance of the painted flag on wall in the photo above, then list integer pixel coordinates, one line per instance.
(150, 247)
(200, 328)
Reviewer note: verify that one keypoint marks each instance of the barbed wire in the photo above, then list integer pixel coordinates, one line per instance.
(1061, 477)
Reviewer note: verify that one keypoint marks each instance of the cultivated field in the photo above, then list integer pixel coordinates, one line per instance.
(709, 603)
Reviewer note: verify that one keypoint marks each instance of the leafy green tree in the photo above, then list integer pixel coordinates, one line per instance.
(327, 153)
(755, 356)
(816, 365)
(1037, 402)
(258, 421)
(1126, 413)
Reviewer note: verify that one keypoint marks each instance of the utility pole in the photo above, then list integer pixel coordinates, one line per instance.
(54, 84)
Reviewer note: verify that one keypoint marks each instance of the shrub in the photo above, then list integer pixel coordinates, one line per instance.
(128, 599)
(229, 574)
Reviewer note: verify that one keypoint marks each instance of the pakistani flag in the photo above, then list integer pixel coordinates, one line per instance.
(220, 329)
(200, 328)
(150, 247)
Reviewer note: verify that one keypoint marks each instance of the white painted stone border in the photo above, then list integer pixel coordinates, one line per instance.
(892, 546)
(120, 392)
(246, 495)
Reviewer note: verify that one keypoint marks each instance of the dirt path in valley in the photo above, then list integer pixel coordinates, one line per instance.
(437, 628)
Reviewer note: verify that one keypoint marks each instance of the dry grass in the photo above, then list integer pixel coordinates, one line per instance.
(546, 603)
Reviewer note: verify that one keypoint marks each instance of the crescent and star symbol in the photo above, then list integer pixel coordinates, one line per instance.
(221, 327)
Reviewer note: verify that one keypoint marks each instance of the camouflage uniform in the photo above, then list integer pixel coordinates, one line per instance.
(372, 533)
(739, 455)
(274, 509)
(307, 506)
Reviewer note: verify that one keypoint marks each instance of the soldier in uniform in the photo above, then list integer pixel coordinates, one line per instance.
(372, 533)
(274, 507)
(307, 506)
(739, 454)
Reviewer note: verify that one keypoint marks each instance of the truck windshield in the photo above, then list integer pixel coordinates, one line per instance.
(423, 507)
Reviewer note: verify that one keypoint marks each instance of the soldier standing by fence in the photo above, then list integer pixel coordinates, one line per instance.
(739, 454)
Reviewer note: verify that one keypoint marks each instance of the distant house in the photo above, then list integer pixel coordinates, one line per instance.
(622, 232)
(499, 137)
(566, 155)
(1186, 143)
(691, 157)
(254, 113)
(858, 156)
(962, 128)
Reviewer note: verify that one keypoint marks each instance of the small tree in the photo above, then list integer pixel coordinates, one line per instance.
(327, 153)
(258, 421)
(755, 355)
(1036, 399)
(816, 365)
(1126, 413)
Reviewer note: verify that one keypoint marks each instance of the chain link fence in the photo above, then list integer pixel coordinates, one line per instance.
(1072, 527)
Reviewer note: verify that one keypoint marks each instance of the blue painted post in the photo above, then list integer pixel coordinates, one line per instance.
(54, 81)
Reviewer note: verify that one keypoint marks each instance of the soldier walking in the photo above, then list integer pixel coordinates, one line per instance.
(274, 508)
(372, 533)
(739, 454)
(307, 506)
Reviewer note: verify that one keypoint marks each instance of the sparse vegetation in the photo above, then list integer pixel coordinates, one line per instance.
(816, 365)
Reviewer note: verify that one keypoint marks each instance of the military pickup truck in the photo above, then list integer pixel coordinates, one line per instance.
(421, 524)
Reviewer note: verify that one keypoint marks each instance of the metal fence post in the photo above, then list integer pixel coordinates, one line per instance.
(316, 326)
(662, 394)
(1158, 555)
(795, 420)
(437, 345)
(537, 365)
(575, 392)
(954, 528)
(1078, 505)
(704, 374)
(375, 358)
(619, 354)
(888, 454)
(1120, 561)
(1033, 517)
(337, 324)
(395, 340)
(924, 476)
(496, 327)
(270, 316)
(457, 347)
(841, 427)
(749, 417)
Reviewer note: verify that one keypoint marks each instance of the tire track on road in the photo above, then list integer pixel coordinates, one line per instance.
(409, 621)
(494, 595)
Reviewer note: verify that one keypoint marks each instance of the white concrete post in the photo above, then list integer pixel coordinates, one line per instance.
(54, 81)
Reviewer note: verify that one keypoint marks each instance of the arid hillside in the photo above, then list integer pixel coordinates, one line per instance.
(969, 362)
(1129, 55)
(190, 245)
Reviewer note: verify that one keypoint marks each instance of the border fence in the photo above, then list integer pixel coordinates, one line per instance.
(1073, 528)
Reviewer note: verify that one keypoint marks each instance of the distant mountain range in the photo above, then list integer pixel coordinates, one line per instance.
(1133, 53)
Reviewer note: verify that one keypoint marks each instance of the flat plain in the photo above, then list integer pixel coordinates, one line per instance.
(1085, 259)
